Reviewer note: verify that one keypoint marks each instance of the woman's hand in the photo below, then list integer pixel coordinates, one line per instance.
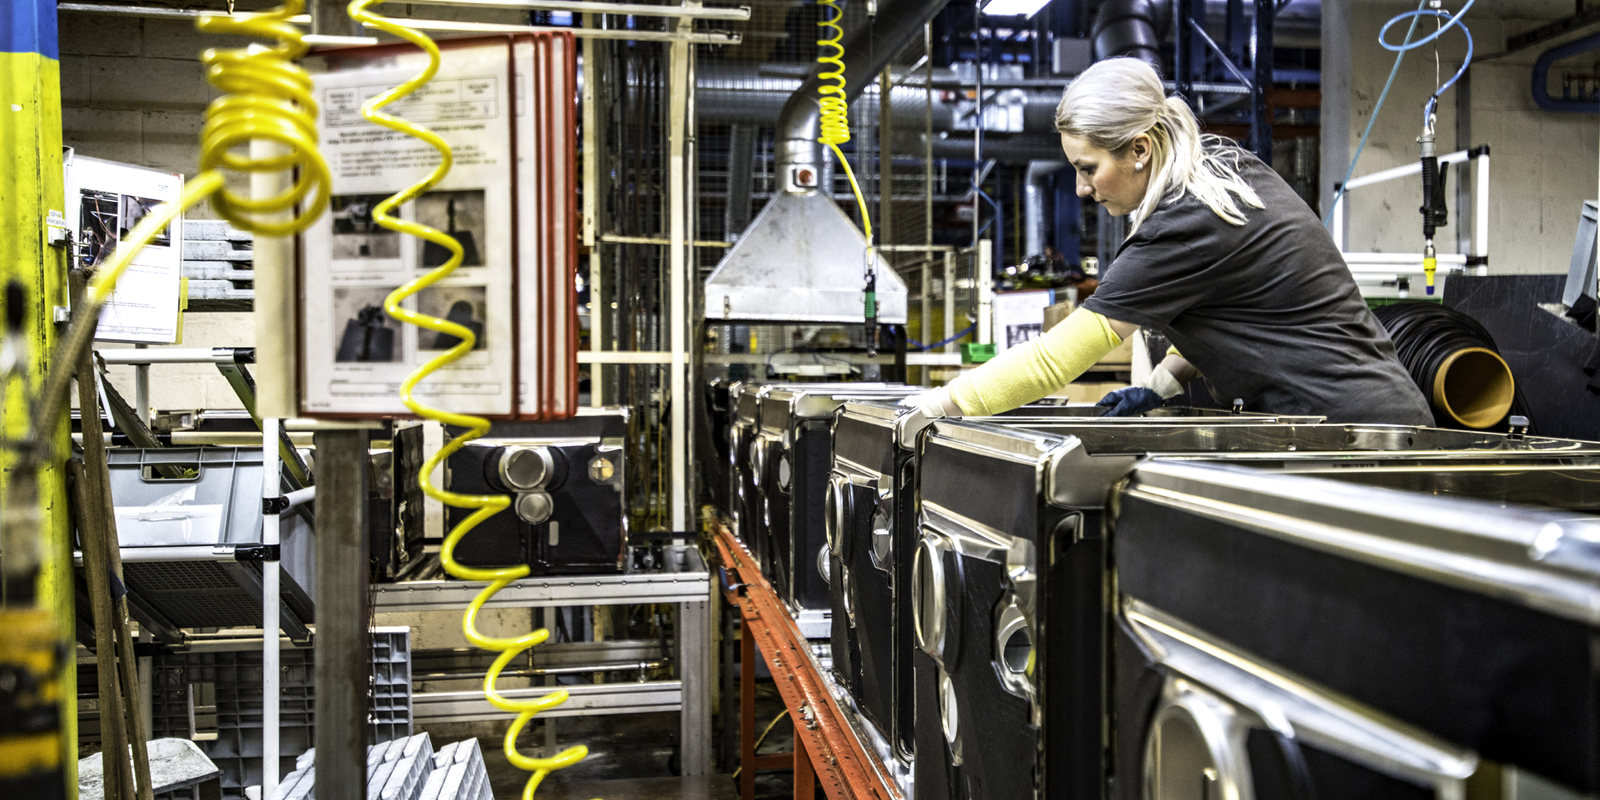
(1131, 402)
(934, 403)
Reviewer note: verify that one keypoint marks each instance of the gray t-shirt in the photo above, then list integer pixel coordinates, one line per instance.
(1267, 311)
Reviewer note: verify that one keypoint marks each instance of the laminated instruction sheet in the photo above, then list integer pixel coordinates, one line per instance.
(105, 200)
(353, 355)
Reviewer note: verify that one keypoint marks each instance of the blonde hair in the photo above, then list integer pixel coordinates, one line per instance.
(1116, 100)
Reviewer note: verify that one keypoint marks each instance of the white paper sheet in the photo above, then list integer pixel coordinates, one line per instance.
(105, 200)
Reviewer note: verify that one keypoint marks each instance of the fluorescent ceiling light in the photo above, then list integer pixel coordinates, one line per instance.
(1014, 8)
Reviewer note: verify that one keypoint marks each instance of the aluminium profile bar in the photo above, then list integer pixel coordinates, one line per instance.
(682, 11)
(429, 708)
(436, 25)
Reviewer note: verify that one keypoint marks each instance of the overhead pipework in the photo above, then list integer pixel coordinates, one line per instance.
(802, 258)
(1131, 28)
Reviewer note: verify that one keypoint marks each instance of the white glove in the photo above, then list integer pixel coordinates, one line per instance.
(934, 404)
(1161, 382)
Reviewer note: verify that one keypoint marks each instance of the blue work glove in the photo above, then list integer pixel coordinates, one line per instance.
(1131, 402)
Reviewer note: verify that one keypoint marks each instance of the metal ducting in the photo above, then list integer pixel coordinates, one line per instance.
(802, 259)
(1131, 28)
(1036, 186)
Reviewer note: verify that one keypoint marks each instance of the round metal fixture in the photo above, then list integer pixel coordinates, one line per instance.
(846, 593)
(1189, 753)
(825, 563)
(928, 596)
(758, 461)
(882, 539)
(602, 469)
(836, 512)
(534, 507)
(523, 468)
(1013, 642)
(949, 712)
(785, 470)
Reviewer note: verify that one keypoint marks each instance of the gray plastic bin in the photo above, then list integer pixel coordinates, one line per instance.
(191, 547)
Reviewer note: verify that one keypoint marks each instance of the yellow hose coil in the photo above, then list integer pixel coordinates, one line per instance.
(485, 506)
(266, 96)
(835, 125)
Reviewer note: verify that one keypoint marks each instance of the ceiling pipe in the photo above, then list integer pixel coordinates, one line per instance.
(1541, 77)
(867, 50)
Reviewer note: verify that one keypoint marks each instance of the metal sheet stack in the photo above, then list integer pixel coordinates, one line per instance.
(1054, 605)
(405, 769)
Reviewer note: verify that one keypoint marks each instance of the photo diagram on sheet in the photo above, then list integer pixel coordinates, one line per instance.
(107, 217)
(356, 237)
(460, 214)
(464, 305)
(363, 333)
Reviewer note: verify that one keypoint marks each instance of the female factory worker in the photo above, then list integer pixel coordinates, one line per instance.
(1221, 256)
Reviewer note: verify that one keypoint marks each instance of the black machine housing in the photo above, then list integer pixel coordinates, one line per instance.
(792, 456)
(1358, 641)
(1011, 577)
(568, 513)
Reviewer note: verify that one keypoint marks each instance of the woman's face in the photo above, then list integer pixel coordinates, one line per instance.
(1112, 181)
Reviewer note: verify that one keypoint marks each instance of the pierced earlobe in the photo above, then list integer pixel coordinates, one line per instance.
(1138, 166)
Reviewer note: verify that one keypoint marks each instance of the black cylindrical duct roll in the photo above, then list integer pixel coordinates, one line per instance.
(1455, 362)
(1130, 28)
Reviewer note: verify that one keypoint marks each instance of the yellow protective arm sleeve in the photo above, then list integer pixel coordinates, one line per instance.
(1037, 369)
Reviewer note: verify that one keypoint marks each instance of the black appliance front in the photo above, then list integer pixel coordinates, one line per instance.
(565, 480)
(1195, 718)
(1435, 611)
(1008, 617)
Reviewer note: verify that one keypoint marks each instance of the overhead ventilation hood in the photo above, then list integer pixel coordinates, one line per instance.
(802, 259)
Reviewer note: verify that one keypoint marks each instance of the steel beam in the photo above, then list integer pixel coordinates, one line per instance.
(688, 582)
(695, 669)
(1261, 88)
(342, 670)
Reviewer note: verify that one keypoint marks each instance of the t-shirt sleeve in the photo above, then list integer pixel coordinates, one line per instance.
(1153, 280)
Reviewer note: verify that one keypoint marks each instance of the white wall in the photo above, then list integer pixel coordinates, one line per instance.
(1544, 164)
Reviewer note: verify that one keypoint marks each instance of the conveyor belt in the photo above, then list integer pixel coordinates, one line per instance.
(825, 743)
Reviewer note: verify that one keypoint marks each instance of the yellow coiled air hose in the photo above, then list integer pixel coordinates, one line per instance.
(485, 506)
(835, 109)
(835, 130)
(267, 97)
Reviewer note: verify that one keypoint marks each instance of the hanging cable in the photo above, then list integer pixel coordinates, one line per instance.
(266, 97)
(941, 343)
(1372, 119)
(835, 130)
(484, 506)
(1455, 362)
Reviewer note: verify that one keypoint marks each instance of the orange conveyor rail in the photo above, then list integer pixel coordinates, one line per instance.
(825, 745)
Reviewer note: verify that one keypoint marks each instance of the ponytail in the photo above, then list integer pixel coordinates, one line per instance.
(1116, 100)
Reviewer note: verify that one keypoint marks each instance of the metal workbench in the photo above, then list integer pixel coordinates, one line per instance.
(684, 581)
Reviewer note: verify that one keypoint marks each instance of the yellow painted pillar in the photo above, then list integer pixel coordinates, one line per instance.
(30, 187)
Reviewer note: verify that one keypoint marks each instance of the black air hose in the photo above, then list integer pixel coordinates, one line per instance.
(1455, 362)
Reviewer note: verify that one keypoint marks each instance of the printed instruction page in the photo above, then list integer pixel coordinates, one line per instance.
(354, 355)
(105, 200)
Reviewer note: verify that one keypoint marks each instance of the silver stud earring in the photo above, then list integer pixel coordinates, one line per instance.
(1138, 166)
